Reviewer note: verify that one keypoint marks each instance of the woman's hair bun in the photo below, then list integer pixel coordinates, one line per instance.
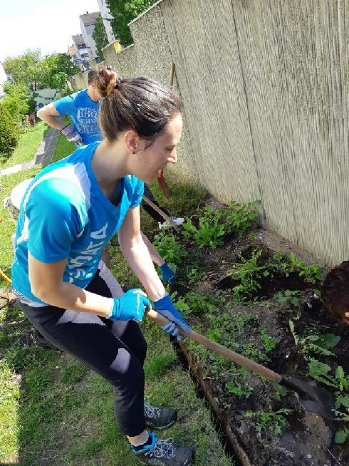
(106, 82)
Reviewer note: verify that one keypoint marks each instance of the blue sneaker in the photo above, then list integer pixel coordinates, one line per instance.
(164, 453)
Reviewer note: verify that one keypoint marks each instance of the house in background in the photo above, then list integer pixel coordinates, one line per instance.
(87, 26)
(79, 52)
(106, 17)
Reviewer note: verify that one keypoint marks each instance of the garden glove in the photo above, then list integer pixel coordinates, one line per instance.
(167, 273)
(131, 305)
(165, 307)
(72, 135)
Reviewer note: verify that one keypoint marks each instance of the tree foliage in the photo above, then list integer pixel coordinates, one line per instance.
(32, 70)
(9, 133)
(24, 68)
(123, 12)
(100, 36)
(55, 69)
(17, 100)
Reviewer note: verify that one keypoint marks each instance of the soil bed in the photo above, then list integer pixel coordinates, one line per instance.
(266, 425)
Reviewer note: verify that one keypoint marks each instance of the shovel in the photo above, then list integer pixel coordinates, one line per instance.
(312, 398)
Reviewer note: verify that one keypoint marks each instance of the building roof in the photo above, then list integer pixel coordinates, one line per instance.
(89, 19)
(79, 40)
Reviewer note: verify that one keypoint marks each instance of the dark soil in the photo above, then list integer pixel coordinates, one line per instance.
(307, 439)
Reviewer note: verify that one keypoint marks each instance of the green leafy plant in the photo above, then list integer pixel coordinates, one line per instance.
(248, 274)
(311, 273)
(240, 217)
(275, 420)
(341, 435)
(269, 342)
(209, 233)
(169, 248)
(288, 298)
(194, 276)
(198, 303)
(286, 265)
(9, 133)
(318, 344)
(339, 381)
(238, 389)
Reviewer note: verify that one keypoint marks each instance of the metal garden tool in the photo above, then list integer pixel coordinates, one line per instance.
(312, 398)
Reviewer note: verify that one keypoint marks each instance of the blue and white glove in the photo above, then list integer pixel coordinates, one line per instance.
(131, 305)
(165, 307)
(72, 135)
(167, 273)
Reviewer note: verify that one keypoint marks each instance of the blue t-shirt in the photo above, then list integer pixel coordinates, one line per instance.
(65, 215)
(83, 113)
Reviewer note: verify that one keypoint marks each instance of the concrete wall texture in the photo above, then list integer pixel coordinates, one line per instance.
(265, 91)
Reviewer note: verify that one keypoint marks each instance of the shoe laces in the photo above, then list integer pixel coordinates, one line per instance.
(164, 449)
(151, 411)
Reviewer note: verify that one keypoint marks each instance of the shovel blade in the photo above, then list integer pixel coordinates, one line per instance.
(315, 399)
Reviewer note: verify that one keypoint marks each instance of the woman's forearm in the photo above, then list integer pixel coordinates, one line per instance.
(137, 255)
(69, 296)
(155, 256)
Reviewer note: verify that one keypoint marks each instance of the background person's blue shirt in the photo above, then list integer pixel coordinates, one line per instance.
(65, 215)
(83, 113)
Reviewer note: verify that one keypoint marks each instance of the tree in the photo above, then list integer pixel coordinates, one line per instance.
(24, 69)
(16, 101)
(9, 133)
(55, 69)
(100, 36)
(123, 12)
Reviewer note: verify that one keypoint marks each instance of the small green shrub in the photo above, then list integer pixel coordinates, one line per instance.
(248, 273)
(288, 298)
(169, 248)
(9, 133)
(240, 217)
(209, 232)
(275, 420)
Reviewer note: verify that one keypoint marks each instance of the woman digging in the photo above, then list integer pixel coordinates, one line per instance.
(69, 213)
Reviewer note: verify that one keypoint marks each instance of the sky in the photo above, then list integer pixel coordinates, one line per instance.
(40, 24)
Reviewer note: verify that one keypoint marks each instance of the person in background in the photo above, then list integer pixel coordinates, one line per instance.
(82, 108)
(69, 213)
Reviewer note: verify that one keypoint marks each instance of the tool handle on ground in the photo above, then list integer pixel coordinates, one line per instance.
(5, 277)
(160, 212)
(221, 350)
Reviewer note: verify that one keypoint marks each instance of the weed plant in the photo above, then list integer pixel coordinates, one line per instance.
(216, 223)
(274, 420)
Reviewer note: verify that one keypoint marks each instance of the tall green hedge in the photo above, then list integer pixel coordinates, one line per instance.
(9, 133)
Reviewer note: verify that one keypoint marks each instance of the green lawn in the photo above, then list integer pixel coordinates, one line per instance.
(54, 411)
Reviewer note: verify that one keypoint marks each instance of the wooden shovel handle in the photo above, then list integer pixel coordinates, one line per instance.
(160, 212)
(221, 350)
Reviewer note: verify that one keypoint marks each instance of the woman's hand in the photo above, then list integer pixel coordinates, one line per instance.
(131, 305)
(166, 307)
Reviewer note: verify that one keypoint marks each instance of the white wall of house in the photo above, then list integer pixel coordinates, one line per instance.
(87, 32)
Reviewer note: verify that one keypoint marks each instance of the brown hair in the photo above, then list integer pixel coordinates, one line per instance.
(335, 290)
(140, 104)
(92, 76)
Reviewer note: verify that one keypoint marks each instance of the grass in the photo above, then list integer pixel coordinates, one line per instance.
(7, 224)
(63, 148)
(53, 410)
(27, 146)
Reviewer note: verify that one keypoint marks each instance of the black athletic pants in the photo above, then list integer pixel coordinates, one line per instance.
(115, 350)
